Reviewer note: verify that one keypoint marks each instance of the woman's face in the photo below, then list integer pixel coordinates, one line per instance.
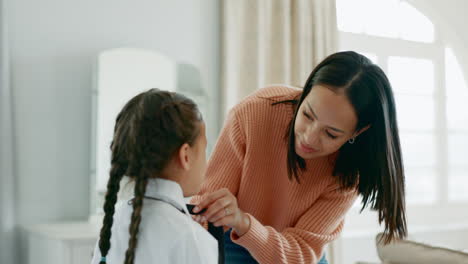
(325, 121)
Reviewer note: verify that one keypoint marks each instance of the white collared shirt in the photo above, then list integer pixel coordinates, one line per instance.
(166, 235)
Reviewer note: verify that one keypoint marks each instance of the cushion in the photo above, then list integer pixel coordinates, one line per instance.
(411, 252)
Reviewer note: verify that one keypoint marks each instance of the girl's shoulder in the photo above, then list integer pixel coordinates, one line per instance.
(164, 218)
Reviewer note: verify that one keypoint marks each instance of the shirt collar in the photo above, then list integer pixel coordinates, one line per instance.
(170, 190)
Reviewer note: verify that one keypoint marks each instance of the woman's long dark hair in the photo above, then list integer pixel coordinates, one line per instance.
(148, 131)
(374, 162)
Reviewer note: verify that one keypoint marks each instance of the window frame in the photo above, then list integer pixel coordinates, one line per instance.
(442, 210)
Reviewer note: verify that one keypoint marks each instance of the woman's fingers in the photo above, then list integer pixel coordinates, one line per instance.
(216, 209)
(224, 209)
(210, 198)
(221, 208)
(197, 218)
(225, 221)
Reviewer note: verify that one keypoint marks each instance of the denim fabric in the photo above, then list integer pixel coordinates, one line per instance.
(236, 254)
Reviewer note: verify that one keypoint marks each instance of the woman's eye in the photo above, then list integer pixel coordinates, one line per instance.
(331, 136)
(308, 116)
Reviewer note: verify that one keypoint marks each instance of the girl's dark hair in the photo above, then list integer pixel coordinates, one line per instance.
(148, 131)
(374, 162)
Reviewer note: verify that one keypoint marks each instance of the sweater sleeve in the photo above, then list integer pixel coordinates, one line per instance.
(225, 165)
(303, 243)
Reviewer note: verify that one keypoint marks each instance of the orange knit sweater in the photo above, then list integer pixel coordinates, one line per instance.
(289, 222)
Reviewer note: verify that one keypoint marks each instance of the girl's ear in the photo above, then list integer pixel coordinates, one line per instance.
(183, 156)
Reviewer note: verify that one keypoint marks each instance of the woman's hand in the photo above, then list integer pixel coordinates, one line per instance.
(222, 210)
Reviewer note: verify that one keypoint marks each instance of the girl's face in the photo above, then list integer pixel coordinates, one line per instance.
(325, 121)
(197, 153)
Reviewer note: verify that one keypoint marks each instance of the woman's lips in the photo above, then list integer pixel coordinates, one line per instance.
(306, 149)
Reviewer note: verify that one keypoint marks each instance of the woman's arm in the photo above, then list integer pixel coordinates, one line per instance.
(303, 243)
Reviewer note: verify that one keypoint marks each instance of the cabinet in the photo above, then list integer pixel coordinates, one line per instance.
(64, 243)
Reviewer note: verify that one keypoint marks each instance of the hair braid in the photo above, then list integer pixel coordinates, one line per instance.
(140, 188)
(113, 185)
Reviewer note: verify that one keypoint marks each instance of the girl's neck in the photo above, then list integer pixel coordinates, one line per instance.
(178, 177)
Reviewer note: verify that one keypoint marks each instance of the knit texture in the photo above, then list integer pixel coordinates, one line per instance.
(289, 222)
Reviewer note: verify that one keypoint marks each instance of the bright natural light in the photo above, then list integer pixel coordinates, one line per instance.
(458, 167)
(458, 183)
(426, 120)
(350, 16)
(370, 56)
(457, 124)
(410, 86)
(412, 144)
(419, 166)
(428, 73)
(381, 21)
(457, 92)
(420, 185)
(413, 25)
(415, 112)
(389, 18)
(411, 75)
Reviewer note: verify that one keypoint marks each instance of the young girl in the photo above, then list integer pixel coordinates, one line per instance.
(159, 143)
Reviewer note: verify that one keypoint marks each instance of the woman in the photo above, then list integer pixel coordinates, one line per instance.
(289, 164)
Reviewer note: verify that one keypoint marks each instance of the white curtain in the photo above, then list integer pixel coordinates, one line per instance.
(7, 207)
(273, 41)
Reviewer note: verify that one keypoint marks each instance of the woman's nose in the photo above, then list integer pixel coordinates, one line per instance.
(312, 135)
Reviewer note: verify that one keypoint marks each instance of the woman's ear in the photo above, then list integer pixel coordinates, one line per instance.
(183, 158)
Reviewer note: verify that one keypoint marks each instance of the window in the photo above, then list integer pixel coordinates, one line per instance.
(430, 92)
(457, 127)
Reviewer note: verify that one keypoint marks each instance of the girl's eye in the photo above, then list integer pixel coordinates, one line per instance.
(308, 116)
(331, 136)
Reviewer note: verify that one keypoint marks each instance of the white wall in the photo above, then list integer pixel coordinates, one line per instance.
(450, 14)
(53, 44)
(7, 201)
